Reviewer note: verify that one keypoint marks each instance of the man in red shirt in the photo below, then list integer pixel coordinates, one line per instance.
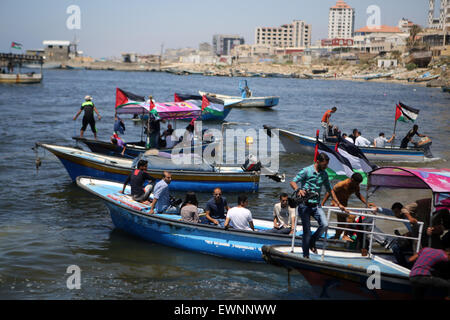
(326, 117)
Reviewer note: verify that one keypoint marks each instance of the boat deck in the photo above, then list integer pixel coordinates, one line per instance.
(348, 259)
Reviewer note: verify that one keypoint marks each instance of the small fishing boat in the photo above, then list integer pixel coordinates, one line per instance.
(426, 77)
(201, 177)
(238, 102)
(298, 143)
(344, 275)
(168, 229)
(373, 76)
(246, 100)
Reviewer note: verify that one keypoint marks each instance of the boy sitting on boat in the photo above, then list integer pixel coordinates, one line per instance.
(136, 179)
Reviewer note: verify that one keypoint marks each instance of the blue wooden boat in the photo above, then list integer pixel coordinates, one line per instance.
(199, 178)
(168, 229)
(298, 143)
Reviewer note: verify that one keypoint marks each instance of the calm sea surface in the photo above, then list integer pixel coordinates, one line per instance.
(47, 223)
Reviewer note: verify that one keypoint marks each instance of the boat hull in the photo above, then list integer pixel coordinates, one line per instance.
(239, 102)
(20, 78)
(96, 166)
(296, 143)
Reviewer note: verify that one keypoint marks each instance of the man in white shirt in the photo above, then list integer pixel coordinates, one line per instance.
(283, 216)
(361, 141)
(381, 141)
(346, 137)
(240, 217)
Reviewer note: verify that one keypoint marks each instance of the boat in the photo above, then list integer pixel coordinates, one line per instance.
(426, 77)
(298, 143)
(10, 61)
(201, 177)
(238, 102)
(45, 65)
(246, 100)
(214, 110)
(319, 71)
(373, 76)
(168, 229)
(344, 275)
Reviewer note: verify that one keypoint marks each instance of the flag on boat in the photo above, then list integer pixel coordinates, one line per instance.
(124, 98)
(404, 113)
(356, 157)
(339, 168)
(16, 45)
(209, 105)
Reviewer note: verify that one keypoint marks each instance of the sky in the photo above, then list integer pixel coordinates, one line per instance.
(110, 27)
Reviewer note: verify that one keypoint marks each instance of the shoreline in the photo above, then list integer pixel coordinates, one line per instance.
(265, 70)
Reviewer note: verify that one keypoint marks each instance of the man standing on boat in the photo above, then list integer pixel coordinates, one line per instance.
(408, 138)
(312, 178)
(343, 190)
(326, 118)
(88, 118)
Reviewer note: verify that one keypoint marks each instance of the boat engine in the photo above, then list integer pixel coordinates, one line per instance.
(252, 164)
(425, 144)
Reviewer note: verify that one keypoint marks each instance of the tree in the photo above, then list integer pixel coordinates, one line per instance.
(412, 40)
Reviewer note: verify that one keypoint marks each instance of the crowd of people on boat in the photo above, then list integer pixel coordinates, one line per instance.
(333, 133)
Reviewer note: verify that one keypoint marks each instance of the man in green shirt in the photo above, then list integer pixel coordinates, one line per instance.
(312, 178)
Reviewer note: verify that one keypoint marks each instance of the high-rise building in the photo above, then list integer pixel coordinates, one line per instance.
(341, 21)
(296, 34)
(443, 21)
(223, 43)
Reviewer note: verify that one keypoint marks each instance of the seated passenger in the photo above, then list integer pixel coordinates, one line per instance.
(283, 216)
(215, 208)
(361, 141)
(240, 217)
(167, 136)
(161, 196)
(118, 142)
(189, 208)
(137, 179)
(381, 141)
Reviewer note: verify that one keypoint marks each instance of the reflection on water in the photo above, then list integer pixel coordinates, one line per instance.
(47, 223)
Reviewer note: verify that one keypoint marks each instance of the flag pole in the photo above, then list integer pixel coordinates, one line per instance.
(395, 126)
(316, 153)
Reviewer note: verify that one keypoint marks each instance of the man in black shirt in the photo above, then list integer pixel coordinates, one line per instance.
(408, 138)
(88, 118)
(136, 179)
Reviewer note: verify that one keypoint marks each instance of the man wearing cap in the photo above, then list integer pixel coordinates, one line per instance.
(88, 118)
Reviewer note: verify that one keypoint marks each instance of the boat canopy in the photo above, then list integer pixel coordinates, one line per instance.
(436, 180)
(163, 110)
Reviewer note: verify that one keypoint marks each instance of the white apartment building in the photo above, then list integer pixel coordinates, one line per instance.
(297, 34)
(341, 21)
(442, 22)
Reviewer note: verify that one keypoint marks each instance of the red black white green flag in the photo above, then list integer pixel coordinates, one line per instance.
(124, 98)
(406, 114)
(16, 45)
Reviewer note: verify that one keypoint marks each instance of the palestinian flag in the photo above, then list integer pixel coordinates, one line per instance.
(16, 45)
(405, 114)
(124, 98)
(339, 168)
(209, 105)
(356, 157)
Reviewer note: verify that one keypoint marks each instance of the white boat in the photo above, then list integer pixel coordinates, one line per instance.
(297, 143)
(239, 102)
(20, 77)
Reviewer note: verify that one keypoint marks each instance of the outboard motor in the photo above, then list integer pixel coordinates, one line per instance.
(425, 144)
(252, 164)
